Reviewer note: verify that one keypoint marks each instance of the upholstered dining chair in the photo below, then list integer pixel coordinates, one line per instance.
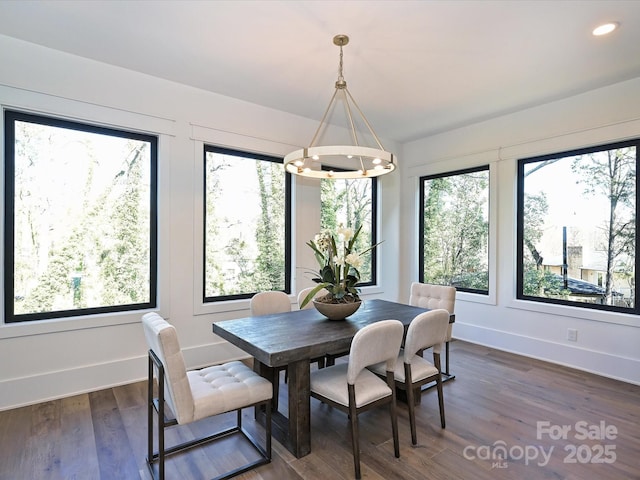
(188, 396)
(268, 303)
(351, 388)
(430, 296)
(426, 330)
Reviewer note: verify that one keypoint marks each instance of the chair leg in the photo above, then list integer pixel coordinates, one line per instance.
(355, 444)
(150, 411)
(436, 360)
(330, 360)
(411, 404)
(161, 452)
(394, 415)
(446, 352)
(151, 456)
(268, 431)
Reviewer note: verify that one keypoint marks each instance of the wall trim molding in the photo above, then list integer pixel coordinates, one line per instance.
(48, 386)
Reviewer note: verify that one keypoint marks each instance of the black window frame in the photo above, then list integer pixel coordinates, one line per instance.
(287, 224)
(422, 179)
(10, 118)
(520, 227)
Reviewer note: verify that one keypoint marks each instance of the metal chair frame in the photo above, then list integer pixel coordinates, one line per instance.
(156, 370)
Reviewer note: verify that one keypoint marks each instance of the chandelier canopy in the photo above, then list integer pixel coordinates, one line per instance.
(341, 161)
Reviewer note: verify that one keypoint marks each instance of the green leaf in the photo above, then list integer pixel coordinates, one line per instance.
(310, 296)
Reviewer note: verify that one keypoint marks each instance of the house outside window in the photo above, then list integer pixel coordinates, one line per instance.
(454, 230)
(353, 203)
(247, 226)
(577, 233)
(80, 219)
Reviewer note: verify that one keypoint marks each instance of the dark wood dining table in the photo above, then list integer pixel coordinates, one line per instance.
(292, 339)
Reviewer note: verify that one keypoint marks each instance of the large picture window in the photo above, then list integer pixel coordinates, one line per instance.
(577, 228)
(80, 219)
(246, 224)
(352, 203)
(454, 230)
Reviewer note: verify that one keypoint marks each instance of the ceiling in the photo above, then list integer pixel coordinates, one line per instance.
(415, 68)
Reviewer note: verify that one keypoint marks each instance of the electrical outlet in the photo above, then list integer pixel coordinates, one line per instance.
(572, 334)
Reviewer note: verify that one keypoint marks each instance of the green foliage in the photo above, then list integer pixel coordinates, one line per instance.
(244, 244)
(541, 283)
(124, 263)
(348, 202)
(456, 230)
(270, 261)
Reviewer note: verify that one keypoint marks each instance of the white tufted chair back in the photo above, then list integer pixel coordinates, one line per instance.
(163, 340)
(375, 343)
(430, 296)
(429, 329)
(265, 303)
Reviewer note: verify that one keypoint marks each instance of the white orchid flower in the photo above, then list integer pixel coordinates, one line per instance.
(354, 260)
(345, 232)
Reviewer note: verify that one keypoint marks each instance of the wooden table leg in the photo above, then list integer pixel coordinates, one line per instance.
(299, 408)
(271, 374)
(294, 432)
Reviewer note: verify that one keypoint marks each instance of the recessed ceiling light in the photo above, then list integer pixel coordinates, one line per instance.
(605, 28)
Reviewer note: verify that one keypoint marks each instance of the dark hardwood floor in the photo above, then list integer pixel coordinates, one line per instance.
(498, 402)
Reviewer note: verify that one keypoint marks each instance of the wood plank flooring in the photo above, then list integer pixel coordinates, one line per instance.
(497, 400)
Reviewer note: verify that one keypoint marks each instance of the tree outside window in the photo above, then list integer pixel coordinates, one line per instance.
(80, 219)
(247, 224)
(454, 229)
(577, 227)
(352, 203)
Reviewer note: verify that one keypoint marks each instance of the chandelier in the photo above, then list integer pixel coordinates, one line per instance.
(341, 161)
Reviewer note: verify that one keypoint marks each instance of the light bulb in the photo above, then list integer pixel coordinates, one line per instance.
(604, 29)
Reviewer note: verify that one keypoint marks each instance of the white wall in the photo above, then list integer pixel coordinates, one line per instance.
(56, 358)
(608, 343)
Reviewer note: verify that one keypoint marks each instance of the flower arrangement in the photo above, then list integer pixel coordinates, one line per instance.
(339, 266)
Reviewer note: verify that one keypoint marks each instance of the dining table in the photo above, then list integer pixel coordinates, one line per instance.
(292, 339)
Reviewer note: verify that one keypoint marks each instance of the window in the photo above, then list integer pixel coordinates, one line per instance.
(80, 219)
(352, 203)
(247, 224)
(454, 230)
(577, 227)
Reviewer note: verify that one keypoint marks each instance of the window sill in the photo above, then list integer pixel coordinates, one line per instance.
(57, 325)
(576, 312)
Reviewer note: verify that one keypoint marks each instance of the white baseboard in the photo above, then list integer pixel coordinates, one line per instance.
(600, 363)
(23, 391)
